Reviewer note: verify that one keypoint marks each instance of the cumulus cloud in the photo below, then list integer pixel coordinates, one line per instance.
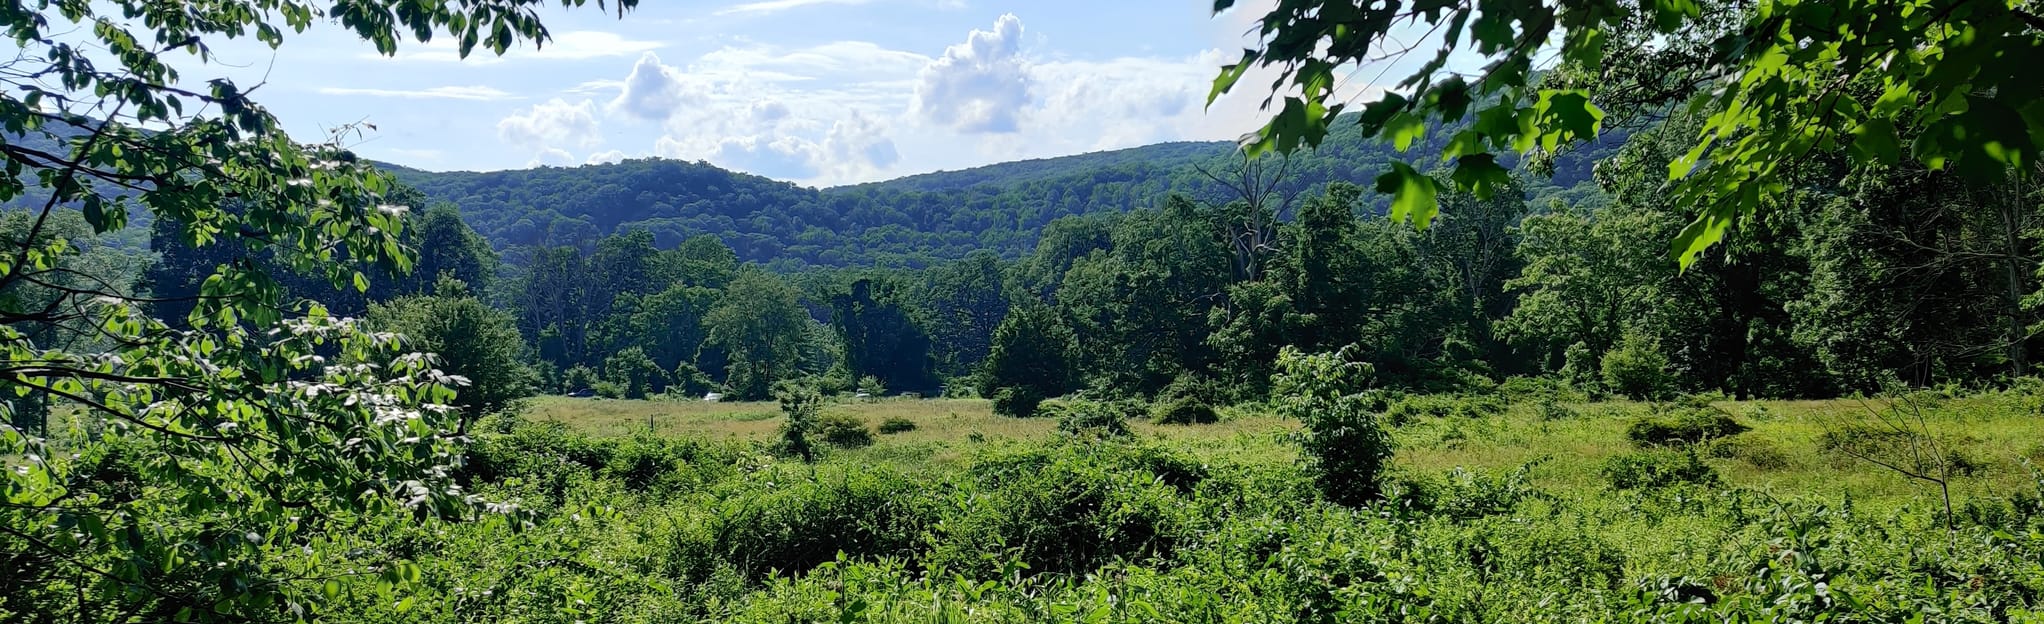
(466, 92)
(607, 156)
(551, 157)
(552, 125)
(767, 111)
(854, 147)
(653, 90)
(978, 86)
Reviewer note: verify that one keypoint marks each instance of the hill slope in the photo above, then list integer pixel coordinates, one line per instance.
(910, 221)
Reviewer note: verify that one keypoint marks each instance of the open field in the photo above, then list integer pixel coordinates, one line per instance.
(1566, 454)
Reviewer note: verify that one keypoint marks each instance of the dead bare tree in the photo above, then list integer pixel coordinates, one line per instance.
(1260, 195)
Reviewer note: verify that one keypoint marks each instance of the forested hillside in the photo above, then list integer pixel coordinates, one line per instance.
(913, 221)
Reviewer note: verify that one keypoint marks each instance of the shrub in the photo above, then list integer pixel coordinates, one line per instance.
(1194, 386)
(805, 520)
(1524, 389)
(1081, 417)
(635, 372)
(844, 431)
(801, 406)
(1031, 358)
(1756, 452)
(1184, 410)
(1069, 509)
(1345, 446)
(1549, 409)
(1017, 402)
(1907, 450)
(872, 386)
(690, 380)
(1413, 408)
(608, 390)
(1466, 495)
(1636, 368)
(578, 378)
(897, 424)
(1658, 468)
(1683, 425)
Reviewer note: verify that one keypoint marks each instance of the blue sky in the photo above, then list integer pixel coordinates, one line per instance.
(818, 92)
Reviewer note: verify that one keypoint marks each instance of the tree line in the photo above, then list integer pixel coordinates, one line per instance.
(1897, 275)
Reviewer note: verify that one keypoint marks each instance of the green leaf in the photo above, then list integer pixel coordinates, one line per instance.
(1875, 140)
(1480, 174)
(1404, 129)
(1229, 75)
(1567, 116)
(1412, 194)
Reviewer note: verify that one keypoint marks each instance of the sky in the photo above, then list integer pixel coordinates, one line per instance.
(817, 92)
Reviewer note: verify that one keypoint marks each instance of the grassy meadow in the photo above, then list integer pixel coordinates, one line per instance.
(1782, 455)
(1514, 510)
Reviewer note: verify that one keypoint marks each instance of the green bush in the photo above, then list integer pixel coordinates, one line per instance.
(844, 431)
(1017, 402)
(577, 378)
(1184, 410)
(1638, 369)
(801, 406)
(801, 520)
(690, 381)
(1534, 389)
(1682, 426)
(897, 424)
(1657, 468)
(1345, 446)
(1466, 495)
(1068, 509)
(1549, 409)
(608, 390)
(635, 372)
(1909, 450)
(1082, 417)
(1413, 408)
(1759, 453)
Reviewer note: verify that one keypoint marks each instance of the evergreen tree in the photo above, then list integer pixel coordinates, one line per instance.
(1031, 360)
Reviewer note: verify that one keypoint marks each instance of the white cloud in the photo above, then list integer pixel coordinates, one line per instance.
(829, 61)
(552, 156)
(767, 111)
(596, 87)
(851, 148)
(653, 90)
(467, 92)
(607, 156)
(763, 7)
(980, 85)
(552, 125)
(566, 46)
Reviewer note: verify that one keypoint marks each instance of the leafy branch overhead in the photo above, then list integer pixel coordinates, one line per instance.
(257, 417)
(1948, 83)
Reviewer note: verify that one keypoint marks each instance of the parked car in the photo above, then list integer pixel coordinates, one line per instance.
(583, 393)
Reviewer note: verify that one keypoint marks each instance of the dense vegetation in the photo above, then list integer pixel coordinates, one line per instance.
(1251, 384)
